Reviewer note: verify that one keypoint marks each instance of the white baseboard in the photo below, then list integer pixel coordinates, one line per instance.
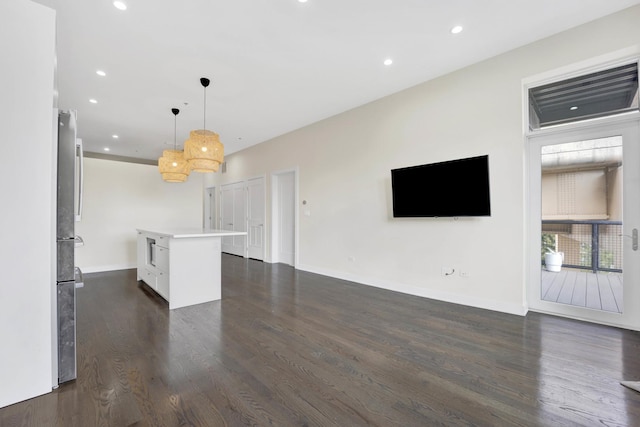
(101, 268)
(517, 309)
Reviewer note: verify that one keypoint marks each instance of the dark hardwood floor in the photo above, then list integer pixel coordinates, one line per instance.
(289, 348)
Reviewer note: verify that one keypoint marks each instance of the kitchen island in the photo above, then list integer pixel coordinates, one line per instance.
(182, 265)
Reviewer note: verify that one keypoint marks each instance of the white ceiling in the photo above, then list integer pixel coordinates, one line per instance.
(274, 65)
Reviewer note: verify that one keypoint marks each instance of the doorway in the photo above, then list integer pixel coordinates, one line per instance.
(581, 211)
(284, 217)
(242, 208)
(584, 213)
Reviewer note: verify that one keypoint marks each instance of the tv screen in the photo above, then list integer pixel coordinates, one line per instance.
(446, 189)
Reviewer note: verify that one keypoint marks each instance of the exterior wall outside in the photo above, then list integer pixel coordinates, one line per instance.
(576, 195)
(614, 193)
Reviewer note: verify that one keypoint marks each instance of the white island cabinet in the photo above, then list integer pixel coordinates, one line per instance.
(184, 265)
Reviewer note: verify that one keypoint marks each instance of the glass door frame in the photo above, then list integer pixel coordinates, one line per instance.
(628, 126)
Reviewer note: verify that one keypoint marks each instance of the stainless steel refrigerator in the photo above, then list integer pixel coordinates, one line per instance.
(69, 208)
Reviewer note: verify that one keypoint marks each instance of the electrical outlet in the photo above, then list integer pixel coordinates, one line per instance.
(464, 274)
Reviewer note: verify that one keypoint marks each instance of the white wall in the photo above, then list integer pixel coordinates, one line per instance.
(120, 197)
(27, 49)
(345, 164)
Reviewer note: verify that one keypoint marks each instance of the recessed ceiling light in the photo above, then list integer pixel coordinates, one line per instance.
(101, 73)
(93, 101)
(573, 108)
(115, 136)
(106, 148)
(302, 1)
(388, 61)
(457, 29)
(120, 5)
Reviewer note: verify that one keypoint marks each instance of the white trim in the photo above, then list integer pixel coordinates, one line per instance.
(592, 65)
(584, 319)
(111, 267)
(585, 124)
(263, 176)
(239, 181)
(481, 303)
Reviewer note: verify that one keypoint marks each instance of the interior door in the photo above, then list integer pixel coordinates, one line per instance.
(584, 215)
(256, 218)
(234, 217)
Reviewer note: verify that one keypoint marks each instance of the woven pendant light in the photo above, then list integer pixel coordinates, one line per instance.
(203, 150)
(172, 164)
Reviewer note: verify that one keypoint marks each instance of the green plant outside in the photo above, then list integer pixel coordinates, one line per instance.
(548, 244)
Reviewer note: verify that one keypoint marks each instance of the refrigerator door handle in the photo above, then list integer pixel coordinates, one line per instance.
(80, 155)
(78, 274)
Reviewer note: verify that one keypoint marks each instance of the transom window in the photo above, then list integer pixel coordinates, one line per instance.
(603, 93)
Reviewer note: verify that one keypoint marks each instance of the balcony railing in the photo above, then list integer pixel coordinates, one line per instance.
(590, 245)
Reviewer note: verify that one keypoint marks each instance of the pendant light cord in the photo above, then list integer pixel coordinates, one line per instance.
(205, 82)
(175, 112)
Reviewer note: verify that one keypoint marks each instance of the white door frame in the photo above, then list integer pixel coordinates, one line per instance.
(629, 127)
(275, 244)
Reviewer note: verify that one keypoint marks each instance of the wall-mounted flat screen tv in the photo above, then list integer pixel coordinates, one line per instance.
(447, 189)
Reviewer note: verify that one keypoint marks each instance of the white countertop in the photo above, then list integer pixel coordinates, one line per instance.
(186, 232)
